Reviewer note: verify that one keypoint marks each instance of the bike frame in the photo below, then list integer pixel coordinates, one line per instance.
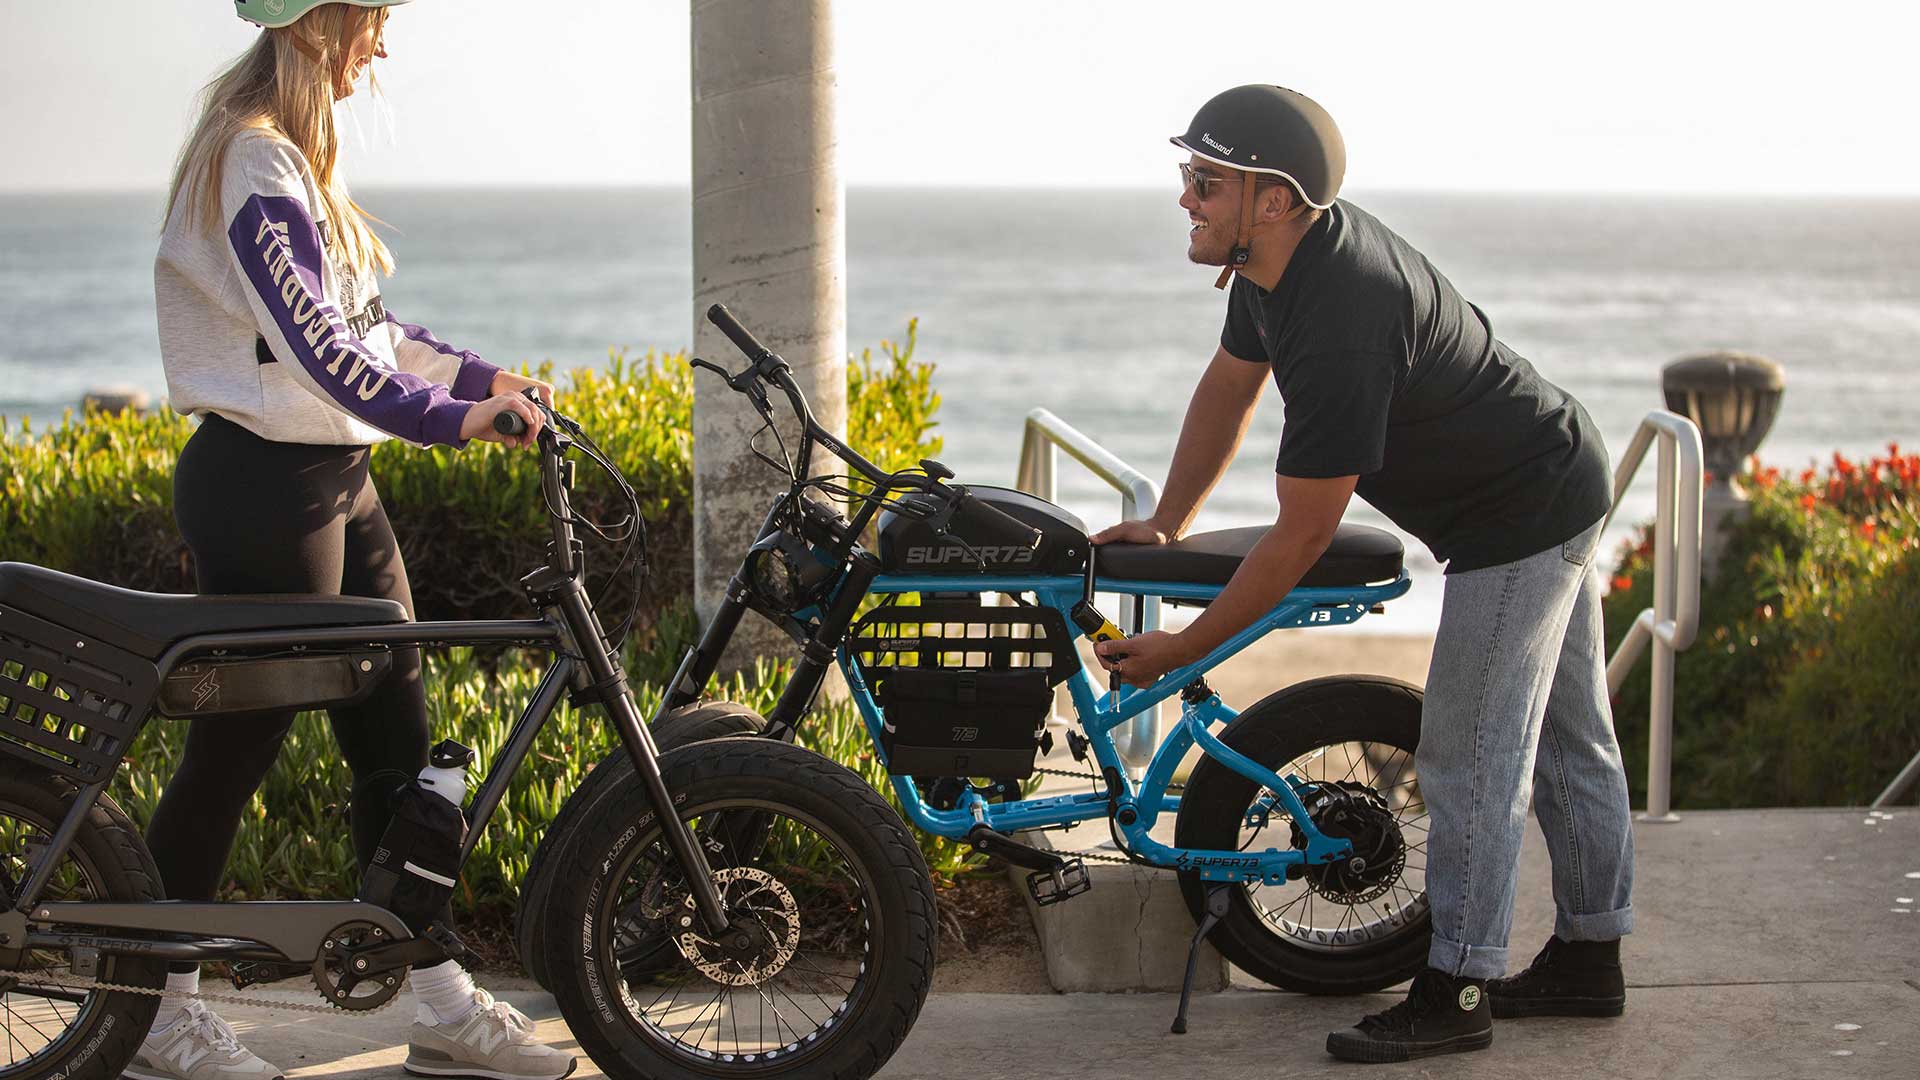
(1136, 807)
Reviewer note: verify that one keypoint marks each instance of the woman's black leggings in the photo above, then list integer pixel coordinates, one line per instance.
(270, 517)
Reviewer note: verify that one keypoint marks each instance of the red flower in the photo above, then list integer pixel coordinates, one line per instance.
(1806, 477)
(1866, 528)
(1806, 502)
(1622, 583)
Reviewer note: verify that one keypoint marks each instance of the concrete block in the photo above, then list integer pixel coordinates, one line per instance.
(1129, 932)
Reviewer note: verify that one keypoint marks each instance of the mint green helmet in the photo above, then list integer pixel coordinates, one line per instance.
(277, 13)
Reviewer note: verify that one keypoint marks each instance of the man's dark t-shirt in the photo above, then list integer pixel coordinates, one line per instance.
(1388, 374)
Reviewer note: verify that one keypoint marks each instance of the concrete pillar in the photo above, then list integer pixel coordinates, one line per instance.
(770, 243)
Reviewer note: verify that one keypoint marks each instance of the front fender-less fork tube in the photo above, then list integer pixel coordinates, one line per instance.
(625, 715)
(698, 665)
(818, 656)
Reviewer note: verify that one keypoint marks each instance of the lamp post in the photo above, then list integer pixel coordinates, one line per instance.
(1732, 397)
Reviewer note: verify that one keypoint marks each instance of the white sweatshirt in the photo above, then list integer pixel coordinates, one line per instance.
(336, 368)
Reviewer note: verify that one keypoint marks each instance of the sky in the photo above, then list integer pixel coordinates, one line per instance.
(1679, 96)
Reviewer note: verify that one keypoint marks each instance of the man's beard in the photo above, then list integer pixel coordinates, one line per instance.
(1213, 246)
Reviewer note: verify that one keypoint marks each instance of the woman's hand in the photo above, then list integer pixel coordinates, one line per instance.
(479, 421)
(508, 382)
(1133, 532)
(1141, 659)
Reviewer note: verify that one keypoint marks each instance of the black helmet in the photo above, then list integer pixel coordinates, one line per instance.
(1274, 130)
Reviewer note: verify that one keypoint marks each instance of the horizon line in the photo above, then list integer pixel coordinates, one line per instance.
(1050, 189)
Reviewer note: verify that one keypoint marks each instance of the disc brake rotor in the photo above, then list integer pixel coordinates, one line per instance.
(760, 944)
(333, 969)
(1352, 811)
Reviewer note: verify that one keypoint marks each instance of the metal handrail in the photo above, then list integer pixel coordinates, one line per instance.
(1045, 435)
(1673, 620)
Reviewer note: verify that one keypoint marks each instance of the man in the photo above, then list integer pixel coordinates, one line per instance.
(1395, 388)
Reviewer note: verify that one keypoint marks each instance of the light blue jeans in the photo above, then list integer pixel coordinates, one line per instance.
(1516, 706)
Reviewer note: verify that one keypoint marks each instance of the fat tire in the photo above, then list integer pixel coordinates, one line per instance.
(1280, 728)
(683, 726)
(869, 832)
(111, 1024)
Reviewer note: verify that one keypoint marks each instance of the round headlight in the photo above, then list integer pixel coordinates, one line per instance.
(774, 578)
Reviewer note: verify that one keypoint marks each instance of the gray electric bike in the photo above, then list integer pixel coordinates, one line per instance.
(779, 922)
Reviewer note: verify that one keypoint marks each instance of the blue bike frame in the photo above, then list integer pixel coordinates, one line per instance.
(1137, 807)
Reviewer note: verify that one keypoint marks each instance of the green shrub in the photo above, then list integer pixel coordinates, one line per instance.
(1799, 689)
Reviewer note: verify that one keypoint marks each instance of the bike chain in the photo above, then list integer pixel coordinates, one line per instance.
(38, 979)
(1093, 855)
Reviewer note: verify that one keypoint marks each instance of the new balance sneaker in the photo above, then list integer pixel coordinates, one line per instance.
(495, 1042)
(198, 1045)
(1567, 978)
(1441, 1015)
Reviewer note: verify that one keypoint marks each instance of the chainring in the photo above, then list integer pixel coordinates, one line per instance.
(1351, 811)
(333, 969)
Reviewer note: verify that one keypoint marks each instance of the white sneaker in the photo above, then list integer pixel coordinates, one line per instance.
(198, 1046)
(496, 1042)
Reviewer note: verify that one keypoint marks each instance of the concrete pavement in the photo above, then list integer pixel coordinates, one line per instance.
(1771, 944)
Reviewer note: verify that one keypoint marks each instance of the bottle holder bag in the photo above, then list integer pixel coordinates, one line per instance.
(418, 861)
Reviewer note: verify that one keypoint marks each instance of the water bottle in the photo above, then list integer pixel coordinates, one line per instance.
(417, 864)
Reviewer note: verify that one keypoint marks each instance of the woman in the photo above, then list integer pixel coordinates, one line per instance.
(272, 331)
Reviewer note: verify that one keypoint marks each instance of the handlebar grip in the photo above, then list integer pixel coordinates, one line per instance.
(509, 423)
(741, 337)
(982, 522)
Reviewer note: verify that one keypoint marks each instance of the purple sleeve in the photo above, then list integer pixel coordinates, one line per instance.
(475, 377)
(277, 247)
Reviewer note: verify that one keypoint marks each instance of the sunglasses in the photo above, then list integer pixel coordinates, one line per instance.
(1202, 182)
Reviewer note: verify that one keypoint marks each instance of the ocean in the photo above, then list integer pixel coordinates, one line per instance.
(1082, 302)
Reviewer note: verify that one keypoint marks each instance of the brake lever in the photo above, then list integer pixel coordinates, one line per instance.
(715, 368)
(747, 382)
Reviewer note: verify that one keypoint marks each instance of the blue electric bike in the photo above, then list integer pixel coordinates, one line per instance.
(1300, 834)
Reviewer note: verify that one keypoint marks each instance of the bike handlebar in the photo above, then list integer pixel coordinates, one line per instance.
(768, 366)
(509, 423)
(741, 337)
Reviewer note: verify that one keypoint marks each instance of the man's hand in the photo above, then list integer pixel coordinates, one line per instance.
(1146, 656)
(508, 382)
(1132, 532)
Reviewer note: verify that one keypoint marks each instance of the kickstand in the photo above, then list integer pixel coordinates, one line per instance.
(1219, 897)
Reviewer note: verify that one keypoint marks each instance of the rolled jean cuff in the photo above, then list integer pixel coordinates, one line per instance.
(1600, 926)
(1467, 961)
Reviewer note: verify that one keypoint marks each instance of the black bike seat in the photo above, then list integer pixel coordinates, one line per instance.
(1359, 555)
(147, 624)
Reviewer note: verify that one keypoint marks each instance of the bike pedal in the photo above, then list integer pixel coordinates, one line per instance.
(1063, 882)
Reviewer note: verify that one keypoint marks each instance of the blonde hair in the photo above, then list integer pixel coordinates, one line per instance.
(283, 86)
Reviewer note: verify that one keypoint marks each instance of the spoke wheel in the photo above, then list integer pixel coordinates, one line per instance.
(829, 951)
(804, 917)
(47, 1024)
(1353, 926)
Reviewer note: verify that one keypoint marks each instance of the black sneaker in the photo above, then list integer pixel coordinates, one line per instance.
(1568, 978)
(1442, 1014)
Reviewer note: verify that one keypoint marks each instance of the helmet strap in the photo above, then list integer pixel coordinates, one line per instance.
(1243, 238)
(1242, 234)
(306, 48)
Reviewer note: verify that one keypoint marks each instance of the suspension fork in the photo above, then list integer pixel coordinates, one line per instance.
(617, 696)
